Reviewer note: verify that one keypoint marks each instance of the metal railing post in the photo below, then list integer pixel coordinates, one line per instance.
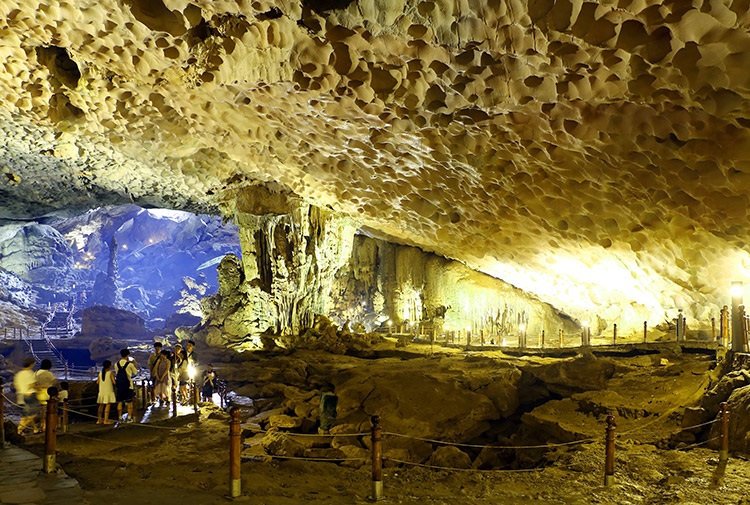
(235, 443)
(50, 433)
(2, 414)
(614, 334)
(65, 415)
(377, 460)
(724, 451)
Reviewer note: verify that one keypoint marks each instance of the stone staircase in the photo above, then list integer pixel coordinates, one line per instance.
(43, 349)
(60, 325)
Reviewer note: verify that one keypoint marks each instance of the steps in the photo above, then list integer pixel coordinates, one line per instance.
(41, 349)
(60, 325)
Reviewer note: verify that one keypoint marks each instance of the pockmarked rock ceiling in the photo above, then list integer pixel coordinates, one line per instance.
(595, 154)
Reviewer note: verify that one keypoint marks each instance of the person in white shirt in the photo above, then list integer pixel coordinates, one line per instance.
(125, 369)
(44, 380)
(25, 384)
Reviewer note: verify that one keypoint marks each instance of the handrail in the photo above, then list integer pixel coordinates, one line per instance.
(30, 346)
(55, 351)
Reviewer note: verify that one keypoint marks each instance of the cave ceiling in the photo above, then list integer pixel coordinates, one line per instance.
(594, 153)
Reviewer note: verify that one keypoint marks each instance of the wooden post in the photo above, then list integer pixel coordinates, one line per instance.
(2, 415)
(609, 452)
(377, 460)
(561, 338)
(196, 396)
(724, 451)
(235, 443)
(50, 435)
(713, 329)
(65, 416)
(724, 325)
(174, 400)
(541, 340)
(645, 330)
(614, 334)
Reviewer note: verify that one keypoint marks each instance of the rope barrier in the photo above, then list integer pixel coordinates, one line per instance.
(447, 468)
(330, 460)
(319, 435)
(473, 446)
(697, 444)
(146, 425)
(112, 442)
(640, 428)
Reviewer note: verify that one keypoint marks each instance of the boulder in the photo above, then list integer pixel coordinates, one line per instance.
(279, 443)
(102, 321)
(424, 401)
(739, 421)
(566, 377)
(354, 456)
(450, 457)
(283, 421)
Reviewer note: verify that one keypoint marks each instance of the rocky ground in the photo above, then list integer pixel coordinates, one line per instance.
(443, 395)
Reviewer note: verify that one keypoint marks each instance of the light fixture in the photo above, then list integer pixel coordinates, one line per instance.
(736, 289)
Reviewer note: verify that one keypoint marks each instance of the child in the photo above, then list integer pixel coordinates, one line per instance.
(106, 382)
(209, 383)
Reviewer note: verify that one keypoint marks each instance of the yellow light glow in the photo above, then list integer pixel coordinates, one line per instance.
(522, 327)
(191, 371)
(736, 290)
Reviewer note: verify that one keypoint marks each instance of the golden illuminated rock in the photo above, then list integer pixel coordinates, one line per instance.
(595, 154)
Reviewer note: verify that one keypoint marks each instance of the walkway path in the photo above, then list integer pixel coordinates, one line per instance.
(22, 481)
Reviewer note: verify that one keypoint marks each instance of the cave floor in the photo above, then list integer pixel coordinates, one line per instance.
(172, 462)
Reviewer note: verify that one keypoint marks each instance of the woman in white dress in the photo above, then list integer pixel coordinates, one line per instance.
(106, 382)
(162, 378)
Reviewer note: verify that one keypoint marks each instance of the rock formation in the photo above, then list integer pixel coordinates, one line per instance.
(151, 262)
(298, 266)
(591, 153)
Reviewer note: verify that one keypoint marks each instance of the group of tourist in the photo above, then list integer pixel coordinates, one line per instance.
(166, 368)
(32, 393)
(115, 384)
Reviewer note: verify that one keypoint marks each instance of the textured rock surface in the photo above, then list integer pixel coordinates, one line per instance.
(593, 153)
(299, 265)
(164, 260)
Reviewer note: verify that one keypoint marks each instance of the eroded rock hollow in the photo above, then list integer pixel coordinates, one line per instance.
(593, 154)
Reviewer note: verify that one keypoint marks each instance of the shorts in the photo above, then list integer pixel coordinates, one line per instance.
(30, 406)
(125, 395)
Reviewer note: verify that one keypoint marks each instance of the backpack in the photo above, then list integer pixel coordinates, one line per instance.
(122, 381)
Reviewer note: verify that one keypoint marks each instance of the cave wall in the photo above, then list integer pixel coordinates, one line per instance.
(309, 261)
(420, 291)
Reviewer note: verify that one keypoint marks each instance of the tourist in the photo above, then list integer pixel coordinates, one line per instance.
(63, 394)
(152, 362)
(183, 376)
(44, 380)
(209, 383)
(152, 358)
(126, 368)
(160, 372)
(106, 382)
(25, 384)
(191, 356)
(174, 372)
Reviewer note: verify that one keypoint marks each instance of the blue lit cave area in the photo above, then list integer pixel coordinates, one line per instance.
(78, 288)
